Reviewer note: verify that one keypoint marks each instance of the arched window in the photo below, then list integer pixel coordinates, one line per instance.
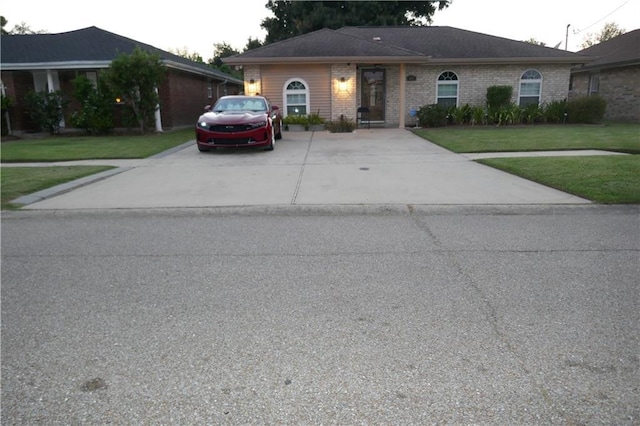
(447, 93)
(530, 88)
(296, 97)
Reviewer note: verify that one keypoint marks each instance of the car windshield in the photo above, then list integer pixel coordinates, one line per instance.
(240, 104)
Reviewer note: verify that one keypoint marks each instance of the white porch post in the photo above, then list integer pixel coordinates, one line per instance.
(6, 113)
(158, 116)
(402, 95)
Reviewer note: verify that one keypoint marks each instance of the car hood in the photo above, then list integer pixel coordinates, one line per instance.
(233, 117)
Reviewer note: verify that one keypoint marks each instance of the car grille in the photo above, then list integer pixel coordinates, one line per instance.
(230, 128)
(235, 141)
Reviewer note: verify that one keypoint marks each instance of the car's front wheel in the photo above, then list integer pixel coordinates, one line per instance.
(272, 140)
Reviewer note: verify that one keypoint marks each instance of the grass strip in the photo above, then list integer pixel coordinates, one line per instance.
(69, 148)
(18, 181)
(620, 137)
(601, 179)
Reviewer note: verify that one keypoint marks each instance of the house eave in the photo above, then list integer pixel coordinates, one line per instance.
(602, 67)
(66, 65)
(92, 65)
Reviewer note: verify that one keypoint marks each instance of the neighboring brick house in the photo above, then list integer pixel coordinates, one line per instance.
(614, 74)
(393, 71)
(51, 61)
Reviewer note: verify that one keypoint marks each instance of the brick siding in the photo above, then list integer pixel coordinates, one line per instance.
(619, 87)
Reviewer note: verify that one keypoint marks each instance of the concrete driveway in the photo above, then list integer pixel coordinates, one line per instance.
(377, 166)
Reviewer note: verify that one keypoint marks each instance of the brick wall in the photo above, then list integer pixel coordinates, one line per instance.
(473, 82)
(619, 87)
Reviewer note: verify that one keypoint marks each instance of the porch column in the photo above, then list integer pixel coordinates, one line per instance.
(158, 117)
(402, 95)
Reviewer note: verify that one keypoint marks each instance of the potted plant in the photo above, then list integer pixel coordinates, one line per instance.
(296, 123)
(316, 123)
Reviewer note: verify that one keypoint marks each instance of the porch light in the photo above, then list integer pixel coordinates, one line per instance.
(342, 85)
(252, 86)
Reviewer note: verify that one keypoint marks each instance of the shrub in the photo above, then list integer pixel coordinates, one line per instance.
(586, 109)
(555, 112)
(96, 113)
(498, 97)
(532, 114)
(296, 119)
(478, 116)
(432, 116)
(507, 114)
(315, 119)
(343, 125)
(462, 115)
(46, 109)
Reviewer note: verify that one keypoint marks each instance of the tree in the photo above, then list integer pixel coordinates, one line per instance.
(135, 77)
(252, 44)
(95, 115)
(46, 109)
(184, 52)
(21, 29)
(532, 40)
(609, 31)
(223, 50)
(293, 18)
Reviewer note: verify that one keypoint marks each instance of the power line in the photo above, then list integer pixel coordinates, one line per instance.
(601, 19)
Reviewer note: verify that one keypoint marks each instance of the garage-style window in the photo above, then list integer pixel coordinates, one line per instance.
(448, 89)
(296, 97)
(530, 88)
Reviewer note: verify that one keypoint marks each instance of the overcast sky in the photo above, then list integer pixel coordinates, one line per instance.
(197, 25)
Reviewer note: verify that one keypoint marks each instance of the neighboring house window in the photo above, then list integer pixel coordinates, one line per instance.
(594, 84)
(93, 78)
(448, 89)
(209, 90)
(530, 88)
(296, 97)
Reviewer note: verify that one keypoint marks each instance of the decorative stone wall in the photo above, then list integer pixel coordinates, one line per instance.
(344, 102)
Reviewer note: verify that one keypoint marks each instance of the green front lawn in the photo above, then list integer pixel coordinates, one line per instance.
(18, 181)
(67, 148)
(609, 137)
(613, 179)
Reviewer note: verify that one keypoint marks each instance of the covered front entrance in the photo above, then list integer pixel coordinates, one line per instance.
(372, 94)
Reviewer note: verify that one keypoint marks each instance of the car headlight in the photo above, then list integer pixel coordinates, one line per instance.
(203, 124)
(259, 124)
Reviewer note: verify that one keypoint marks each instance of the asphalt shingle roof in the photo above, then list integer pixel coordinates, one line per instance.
(426, 42)
(87, 45)
(619, 51)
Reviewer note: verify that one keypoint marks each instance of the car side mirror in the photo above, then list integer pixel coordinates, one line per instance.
(207, 108)
(274, 108)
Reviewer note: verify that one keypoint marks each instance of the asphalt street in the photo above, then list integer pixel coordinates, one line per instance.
(371, 278)
(341, 315)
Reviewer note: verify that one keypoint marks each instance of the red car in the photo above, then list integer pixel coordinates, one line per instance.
(239, 121)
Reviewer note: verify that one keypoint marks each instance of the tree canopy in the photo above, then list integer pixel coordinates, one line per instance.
(293, 18)
(134, 77)
(609, 31)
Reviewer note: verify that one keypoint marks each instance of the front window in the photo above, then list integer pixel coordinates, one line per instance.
(530, 88)
(594, 84)
(447, 89)
(296, 97)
